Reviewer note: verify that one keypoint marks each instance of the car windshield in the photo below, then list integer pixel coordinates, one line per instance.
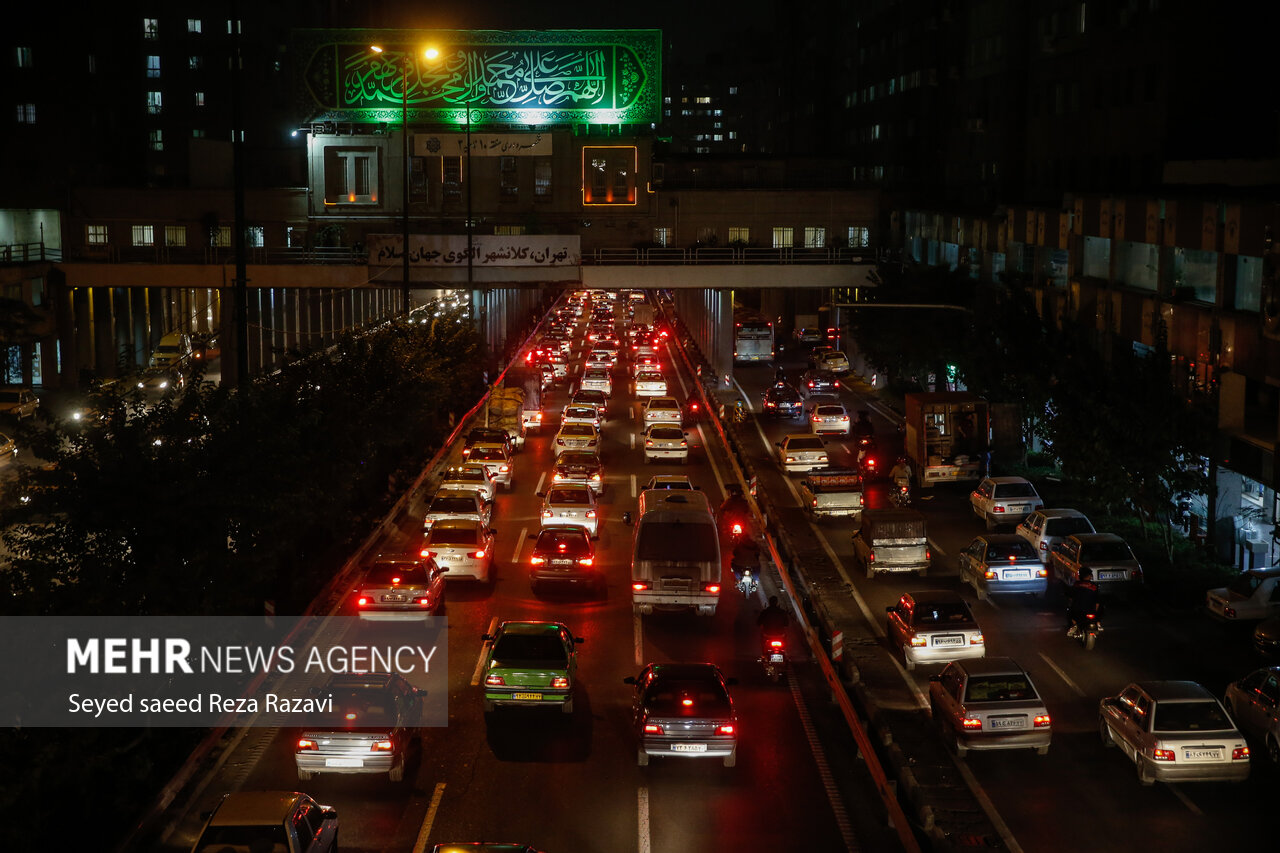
(390, 573)
(999, 688)
(1067, 526)
(542, 649)
(453, 506)
(829, 410)
(1102, 551)
(578, 430)
(1200, 716)
(1014, 490)
(805, 444)
(1020, 550)
(452, 536)
(361, 709)
(666, 432)
(687, 542)
(940, 613)
(687, 697)
(571, 542)
(568, 496)
(243, 839)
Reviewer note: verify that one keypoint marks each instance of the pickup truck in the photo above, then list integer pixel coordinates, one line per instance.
(832, 491)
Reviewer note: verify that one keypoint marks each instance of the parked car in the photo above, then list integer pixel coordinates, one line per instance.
(1116, 570)
(835, 361)
(665, 442)
(1253, 594)
(8, 449)
(1254, 703)
(400, 589)
(1174, 731)
(1004, 500)
(1266, 637)
(934, 626)
(1000, 563)
(563, 553)
(463, 548)
(989, 703)
(1045, 528)
(374, 721)
(570, 503)
(269, 820)
(802, 452)
(684, 710)
(530, 665)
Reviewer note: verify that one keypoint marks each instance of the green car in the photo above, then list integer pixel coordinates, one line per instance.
(531, 664)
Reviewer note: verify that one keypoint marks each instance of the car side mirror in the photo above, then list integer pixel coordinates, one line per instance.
(626, 519)
(328, 813)
(487, 638)
(532, 536)
(630, 679)
(541, 494)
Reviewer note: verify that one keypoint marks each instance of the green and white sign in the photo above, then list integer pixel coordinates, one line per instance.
(480, 77)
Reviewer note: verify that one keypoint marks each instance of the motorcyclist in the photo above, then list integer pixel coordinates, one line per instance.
(735, 509)
(773, 620)
(901, 472)
(745, 557)
(1084, 600)
(862, 426)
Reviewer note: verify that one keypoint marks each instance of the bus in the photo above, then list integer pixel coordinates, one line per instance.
(752, 336)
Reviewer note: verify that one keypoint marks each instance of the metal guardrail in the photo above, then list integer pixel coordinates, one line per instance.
(28, 253)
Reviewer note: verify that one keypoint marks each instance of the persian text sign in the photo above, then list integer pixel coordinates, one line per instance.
(433, 250)
(482, 76)
(482, 144)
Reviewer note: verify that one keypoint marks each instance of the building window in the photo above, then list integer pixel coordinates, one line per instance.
(859, 237)
(350, 175)
(199, 99)
(508, 230)
(542, 179)
(609, 174)
(253, 236)
(175, 236)
(220, 236)
(662, 237)
(155, 140)
(815, 238)
(153, 103)
(451, 177)
(783, 238)
(144, 235)
(193, 25)
(733, 90)
(508, 178)
(95, 235)
(296, 236)
(1248, 295)
(150, 28)
(707, 236)
(22, 57)
(739, 235)
(197, 133)
(702, 100)
(26, 114)
(194, 63)
(153, 66)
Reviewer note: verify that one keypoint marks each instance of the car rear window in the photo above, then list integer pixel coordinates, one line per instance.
(805, 444)
(680, 697)
(663, 404)
(1105, 551)
(677, 541)
(241, 839)
(1013, 490)
(488, 453)
(942, 613)
(568, 496)
(666, 432)
(830, 410)
(569, 542)
(389, 573)
(1015, 550)
(580, 412)
(465, 474)
(542, 650)
(999, 688)
(649, 377)
(1067, 526)
(361, 709)
(1204, 716)
(578, 429)
(453, 505)
(451, 536)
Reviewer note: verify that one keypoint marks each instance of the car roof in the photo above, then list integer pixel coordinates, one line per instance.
(990, 666)
(999, 481)
(685, 670)
(532, 628)
(1002, 538)
(579, 457)
(1085, 538)
(1060, 513)
(1175, 691)
(935, 595)
(800, 435)
(455, 524)
(255, 808)
(573, 486)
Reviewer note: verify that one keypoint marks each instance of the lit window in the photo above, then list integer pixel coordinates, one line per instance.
(297, 236)
(662, 236)
(703, 100)
(153, 66)
(351, 176)
(95, 235)
(193, 25)
(199, 99)
(144, 235)
(150, 28)
(859, 237)
(733, 90)
(667, 100)
(155, 140)
(197, 133)
(815, 238)
(508, 230)
(783, 238)
(609, 174)
(175, 236)
(22, 57)
(26, 114)
(739, 234)
(220, 236)
(719, 137)
(253, 236)
(194, 63)
(542, 178)
(153, 103)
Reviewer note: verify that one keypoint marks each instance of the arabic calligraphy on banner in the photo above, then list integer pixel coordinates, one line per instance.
(482, 144)
(439, 250)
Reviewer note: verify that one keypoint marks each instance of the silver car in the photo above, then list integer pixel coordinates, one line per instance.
(934, 626)
(684, 710)
(651, 385)
(802, 452)
(664, 409)
(829, 418)
(375, 719)
(1045, 528)
(1000, 563)
(664, 441)
(581, 415)
(496, 459)
(1254, 703)
(989, 703)
(470, 477)
(463, 548)
(570, 504)
(1174, 731)
(464, 504)
(400, 590)
(597, 379)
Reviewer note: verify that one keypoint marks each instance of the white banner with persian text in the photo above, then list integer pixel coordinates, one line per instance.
(482, 144)
(487, 250)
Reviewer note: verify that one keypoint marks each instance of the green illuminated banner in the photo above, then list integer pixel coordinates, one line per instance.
(480, 77)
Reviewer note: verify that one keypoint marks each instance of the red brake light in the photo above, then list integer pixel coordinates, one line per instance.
(362, 601)
(538, 561)
(477, 555)
(775, 644)
(640, 586)
(586, 561)
(726, 729)
(1163, 755)
(687, 702)
(560, 682)
(495, 681)
(305, 743)
(424, 602)
(1240, 752)
(651, 729)
(426, 553)
(713, 588)
(737, 529)
(381, 746)
(971, 724)
(1041, 720)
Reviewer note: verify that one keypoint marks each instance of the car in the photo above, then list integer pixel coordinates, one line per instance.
(599, 330)
(581, 415)
(457, 503)
(1004, 500)
(462, 547)
(934, 626)
(530, 665)
(486, 435)
(286, 821)
(497, 460)
(585, 396)
(158, 381)
(815, 381)
(783, 401)
(559, 362)
(1174, 731)
(1253, 594)
(683, 710)
(1045, 528)
(483, 847)
(205, 346)
(1115, 569)
(173, 350)
(665, 441)
(645, 345)
(808, 335)
(400, 589)
(570, 503)
(1266, 637)
(597, 379)
(548, 374)
(664, 409)
(645, 364)
(601, 359)
(669, 481)
(650, 384)
(563, 553)
(816, 354)
(8, 449)
(989, 703)
(577, 437)
(829, 418)
(475, 478)
(579, 466)
(372, 725)
(835, 361)
(1000, 563)
(1254, 704)
(802, 452)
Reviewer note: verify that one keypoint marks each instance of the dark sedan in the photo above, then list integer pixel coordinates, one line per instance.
(783, 401)
(819, 382)
(683, 710)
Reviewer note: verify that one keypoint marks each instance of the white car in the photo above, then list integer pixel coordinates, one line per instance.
(651, 385)
(570, 503)
(802, 452)
(836, 362)
(452, 504)
(464, 548)
(581, 415)
(664, 409)
(475, 478)
(601, 359)
(1046, 528)
(597, 379)
(646, 364)
(8, 449)
(496, 459)
(665, 441)
(1252, 595)
(669, 481)
(577, 437)
(829, 418)
(1004, 500)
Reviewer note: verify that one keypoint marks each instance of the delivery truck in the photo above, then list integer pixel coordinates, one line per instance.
(832, 492)
(948, 437)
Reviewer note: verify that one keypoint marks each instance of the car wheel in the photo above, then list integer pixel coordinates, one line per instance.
(1273, 749)
(1042, 750)
(305, 775)
(567, 707)
(642, 757)
(1104, 732)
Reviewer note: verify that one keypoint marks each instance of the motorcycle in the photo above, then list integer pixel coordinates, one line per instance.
(1087, 631)
(748, 583)
(900, 494)
(692, 412)
(737, 534)
(774, 658)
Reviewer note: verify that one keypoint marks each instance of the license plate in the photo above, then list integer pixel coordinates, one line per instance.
(688, 747)
(395, 598)
(1007, 722)
(1110, 576)
(344, 762)
(949, 640)
(1017, 507)
(775, 658)
(1017, 575)
(533, 697)
(1202, 754)
(562, 562)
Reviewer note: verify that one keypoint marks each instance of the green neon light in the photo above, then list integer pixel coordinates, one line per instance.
(518, 77)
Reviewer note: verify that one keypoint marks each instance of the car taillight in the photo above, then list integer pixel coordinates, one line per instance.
(466, 451)
(560, 441)
(844, 419)
(424, 602)
(538, 561)
(1240, 753)
(586, 561)
(546, 513)
(919, 642)
(537, 416)
(425, 553)
(1163, 755)
(1229, 612)
(561, 682)
(775, 644)
(713, 588)
(817, 419)
(684, 443)
(1041, 720)
(476, 555)
(306, 743)
(971, 724)
(1135, 575)
(648, 442)
(652, 729)
(927, 555)
(503, 469)
(558, 477)
(363, 601)
(977, 640)
(1042, 573)
(989, 575)
(640, 586)
(381, 746)
(726, 729)
(871, 556)
(737, 530)
(791, 459)
(494, 681)
(591, 513)
(595, 477)
(836, 383)
(997, 508)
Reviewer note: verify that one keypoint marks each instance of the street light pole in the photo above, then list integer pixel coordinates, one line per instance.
(404, 150)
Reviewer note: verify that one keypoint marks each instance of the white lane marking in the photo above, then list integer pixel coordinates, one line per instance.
(921, 699)
(642, 807)
(424, 833)
(633, 485)
(1186, 801)
(633, 441)
(475, 676)
(515, 556)
(1010, 842)
(631, 412)
(637, 637)
(541, 478)
(824, 771)
(1062, 675)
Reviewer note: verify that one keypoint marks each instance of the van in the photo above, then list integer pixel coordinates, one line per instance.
(173, 350)
(675, 558)
(892, 540)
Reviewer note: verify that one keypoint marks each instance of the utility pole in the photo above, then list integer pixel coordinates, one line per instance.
(240, 295)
